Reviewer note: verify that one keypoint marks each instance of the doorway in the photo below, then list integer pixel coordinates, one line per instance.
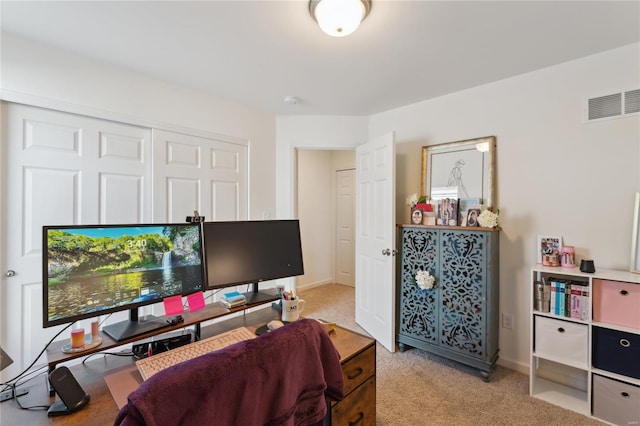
(325, 202)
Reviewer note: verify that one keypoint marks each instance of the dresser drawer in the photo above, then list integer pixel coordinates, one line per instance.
(616, 302)
(561, 341)
(358, 369)
(616, 351)
(616, 402)
(358, 408)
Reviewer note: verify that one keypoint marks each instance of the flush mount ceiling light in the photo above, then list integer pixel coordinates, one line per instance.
(339, 18)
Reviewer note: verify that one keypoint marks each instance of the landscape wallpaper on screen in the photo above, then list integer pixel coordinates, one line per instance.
(93, 269)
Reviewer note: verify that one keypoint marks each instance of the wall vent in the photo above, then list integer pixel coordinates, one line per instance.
(615, 105)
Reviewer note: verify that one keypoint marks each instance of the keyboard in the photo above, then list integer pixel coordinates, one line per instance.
(151, 365)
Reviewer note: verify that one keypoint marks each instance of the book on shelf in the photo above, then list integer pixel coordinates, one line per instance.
(560, 303)
(576, 301)
(558, 299)
(233, 299)
(546, 295)
(585, 303)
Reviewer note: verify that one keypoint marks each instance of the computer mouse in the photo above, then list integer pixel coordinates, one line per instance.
(275, 324)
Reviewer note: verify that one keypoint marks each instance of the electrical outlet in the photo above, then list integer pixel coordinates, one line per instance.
(507, 321)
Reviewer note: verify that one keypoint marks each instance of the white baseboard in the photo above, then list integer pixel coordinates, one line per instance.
(513, 365)
(313, 285)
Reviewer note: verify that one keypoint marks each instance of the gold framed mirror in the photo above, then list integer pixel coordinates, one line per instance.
(468, 164)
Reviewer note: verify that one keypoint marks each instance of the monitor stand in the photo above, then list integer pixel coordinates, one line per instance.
(127, 329)
(256, 297)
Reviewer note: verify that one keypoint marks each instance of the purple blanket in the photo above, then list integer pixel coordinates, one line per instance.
(280, 378)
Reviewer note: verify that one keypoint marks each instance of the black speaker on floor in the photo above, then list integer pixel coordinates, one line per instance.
(72, 396)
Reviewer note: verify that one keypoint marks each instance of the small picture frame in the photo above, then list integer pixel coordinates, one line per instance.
(548, 248)
(416, 216)
(472, 216)
(447, 212)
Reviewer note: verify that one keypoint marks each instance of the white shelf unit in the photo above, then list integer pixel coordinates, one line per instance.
(561, 369)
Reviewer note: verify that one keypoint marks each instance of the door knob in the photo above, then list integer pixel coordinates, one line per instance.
(386, 252)
(10, 273)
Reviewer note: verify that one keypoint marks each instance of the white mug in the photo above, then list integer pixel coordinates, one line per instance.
(291, 309)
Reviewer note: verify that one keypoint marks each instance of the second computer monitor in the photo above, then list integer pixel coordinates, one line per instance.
(245, 252)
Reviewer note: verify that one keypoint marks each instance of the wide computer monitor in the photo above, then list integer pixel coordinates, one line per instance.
(250, 252)
(93, 270)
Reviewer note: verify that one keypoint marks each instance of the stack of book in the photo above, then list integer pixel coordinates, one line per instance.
(233, 299)
(569, 299)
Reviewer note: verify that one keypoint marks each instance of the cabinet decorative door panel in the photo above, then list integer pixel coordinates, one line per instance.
(462, 284)
(418, 307)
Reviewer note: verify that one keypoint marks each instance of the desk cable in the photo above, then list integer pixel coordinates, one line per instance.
(12, 383)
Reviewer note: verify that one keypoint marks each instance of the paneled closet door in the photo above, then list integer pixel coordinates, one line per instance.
(59, 169)
(196, 173)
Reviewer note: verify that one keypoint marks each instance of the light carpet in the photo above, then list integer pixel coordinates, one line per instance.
(417, 388)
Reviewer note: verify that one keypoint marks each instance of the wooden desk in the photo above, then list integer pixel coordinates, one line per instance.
(354, 349)
(211, 311)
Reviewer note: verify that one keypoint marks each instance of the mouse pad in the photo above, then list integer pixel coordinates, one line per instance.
(121, 382)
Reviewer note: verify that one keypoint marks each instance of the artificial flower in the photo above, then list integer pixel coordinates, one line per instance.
(425, 280)
(488, 219)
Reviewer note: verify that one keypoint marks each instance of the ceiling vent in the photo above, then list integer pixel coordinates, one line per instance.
(613, 106)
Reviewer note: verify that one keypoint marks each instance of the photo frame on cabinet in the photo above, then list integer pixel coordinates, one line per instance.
(472, 216)
(468, 164)
(635, 237)
(548, 245)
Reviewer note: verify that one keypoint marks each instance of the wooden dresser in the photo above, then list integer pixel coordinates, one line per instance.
(358, 359)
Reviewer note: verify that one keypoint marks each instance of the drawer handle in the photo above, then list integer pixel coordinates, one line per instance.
(560, 330)
(625, 394)
(357, 373)
(624, 292)
(358, 420)
(625, 343)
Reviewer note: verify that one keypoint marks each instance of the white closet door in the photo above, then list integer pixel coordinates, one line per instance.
(59, 169)
(196, 173)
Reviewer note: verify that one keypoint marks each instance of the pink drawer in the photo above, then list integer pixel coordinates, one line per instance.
(616, 302)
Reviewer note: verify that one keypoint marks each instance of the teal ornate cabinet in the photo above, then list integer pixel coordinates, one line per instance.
(458, 318)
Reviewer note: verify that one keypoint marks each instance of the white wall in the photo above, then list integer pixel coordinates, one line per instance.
(556, 175)
(310, 132)
(344, 160)
(37, 74)
(316, 210)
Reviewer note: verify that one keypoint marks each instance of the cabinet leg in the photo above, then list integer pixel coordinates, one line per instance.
(485, 375)
(402, 347)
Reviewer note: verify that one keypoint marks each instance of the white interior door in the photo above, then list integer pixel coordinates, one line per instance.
(59, 169)
(375, 239)
(196, 173)
(345, 230)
